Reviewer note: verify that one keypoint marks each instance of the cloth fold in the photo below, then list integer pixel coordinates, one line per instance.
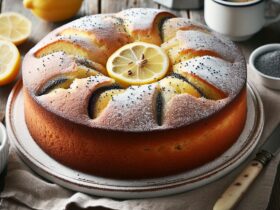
(26, 190)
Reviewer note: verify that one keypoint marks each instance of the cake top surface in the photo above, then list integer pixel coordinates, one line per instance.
(66, 72)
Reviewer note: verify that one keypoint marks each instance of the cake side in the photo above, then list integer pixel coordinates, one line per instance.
(127, 155)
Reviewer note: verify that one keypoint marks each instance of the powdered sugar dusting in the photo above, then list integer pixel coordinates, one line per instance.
(103, 29)
(172, 25)
(132, 110)
(204, 41)
(220, 73)
(139, 18)
(92, 51)
(194, 109)
(72, 103)
(96, 22)
(136, 108)
(38, 71)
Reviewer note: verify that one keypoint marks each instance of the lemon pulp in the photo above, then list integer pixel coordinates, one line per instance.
(14, 27)
(138, 63)
(9, 62)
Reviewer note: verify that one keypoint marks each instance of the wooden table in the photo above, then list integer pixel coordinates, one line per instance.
(40, 28)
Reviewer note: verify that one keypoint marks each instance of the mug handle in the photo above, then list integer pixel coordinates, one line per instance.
(269, 21)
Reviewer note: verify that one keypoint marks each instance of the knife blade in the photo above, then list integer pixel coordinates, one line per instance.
(4, 94)
(235, 191)
(273, 142)
(274, 201)
(2, 109)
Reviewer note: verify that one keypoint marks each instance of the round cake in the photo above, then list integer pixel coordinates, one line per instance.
(93, 103)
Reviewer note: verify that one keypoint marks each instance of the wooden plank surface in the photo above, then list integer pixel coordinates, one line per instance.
(197, 15)
(179, 13)
(141, 3)
(90, 7)
(111, 6)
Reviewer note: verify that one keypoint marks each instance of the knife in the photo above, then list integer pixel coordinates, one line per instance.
(235, 191)
(2, 107)
(3, 101)
(4, 94)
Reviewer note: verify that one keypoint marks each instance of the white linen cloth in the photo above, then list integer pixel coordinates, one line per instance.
(26, 190)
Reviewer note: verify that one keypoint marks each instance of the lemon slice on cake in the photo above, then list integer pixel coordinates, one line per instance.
(14, 27)
(9, 62)
(138, 63)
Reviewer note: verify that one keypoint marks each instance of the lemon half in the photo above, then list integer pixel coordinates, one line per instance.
(9, 62)
(53, 10)
(14, 27)
(138, 63)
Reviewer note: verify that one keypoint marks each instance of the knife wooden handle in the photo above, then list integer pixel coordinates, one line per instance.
(235, 191)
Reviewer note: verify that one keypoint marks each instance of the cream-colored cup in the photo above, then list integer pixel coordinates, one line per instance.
(237, 20)
(4, 147)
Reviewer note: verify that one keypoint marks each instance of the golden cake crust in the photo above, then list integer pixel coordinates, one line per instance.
(128, 155)
(144, 126)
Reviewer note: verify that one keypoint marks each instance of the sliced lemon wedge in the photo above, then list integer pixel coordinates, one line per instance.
(9, 62)
(14, 27)
(138, 63)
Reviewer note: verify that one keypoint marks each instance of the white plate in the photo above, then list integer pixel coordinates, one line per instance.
(50, 169)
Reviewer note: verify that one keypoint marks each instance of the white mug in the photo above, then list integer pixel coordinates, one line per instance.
(237, 20)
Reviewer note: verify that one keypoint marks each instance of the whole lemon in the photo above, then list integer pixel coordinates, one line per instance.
(53, 10)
